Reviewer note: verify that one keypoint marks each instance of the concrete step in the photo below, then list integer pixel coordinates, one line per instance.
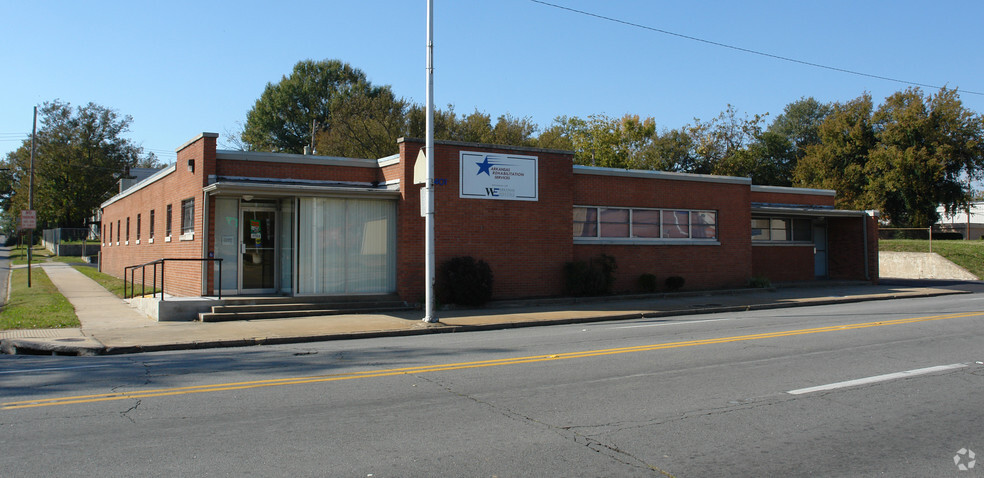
(302, 306)
(285, 314)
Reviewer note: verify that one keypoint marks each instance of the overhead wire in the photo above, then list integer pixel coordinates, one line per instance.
(745, 50)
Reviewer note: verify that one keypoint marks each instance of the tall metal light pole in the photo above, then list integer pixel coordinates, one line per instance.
(429, 185)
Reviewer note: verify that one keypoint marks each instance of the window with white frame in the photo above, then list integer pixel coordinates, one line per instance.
(644, 224)
(781, 229)
(188, 216)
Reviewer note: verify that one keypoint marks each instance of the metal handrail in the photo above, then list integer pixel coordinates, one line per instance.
(143, 276)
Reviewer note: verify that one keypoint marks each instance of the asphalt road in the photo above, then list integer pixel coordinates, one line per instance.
(709, 395)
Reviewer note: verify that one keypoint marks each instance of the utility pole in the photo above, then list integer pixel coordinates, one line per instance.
(429, 185)
(30, 196)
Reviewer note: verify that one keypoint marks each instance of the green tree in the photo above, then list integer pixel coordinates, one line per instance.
(927, 149)
(604, 141)
(838, 161)
(906, 158)
(80, 155)
(716, 143)
(800, 123)
(282, 118)
(365, 126)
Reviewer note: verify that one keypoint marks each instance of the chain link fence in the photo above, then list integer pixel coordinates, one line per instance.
(69, 241)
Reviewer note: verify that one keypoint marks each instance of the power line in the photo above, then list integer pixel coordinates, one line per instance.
(745, 50)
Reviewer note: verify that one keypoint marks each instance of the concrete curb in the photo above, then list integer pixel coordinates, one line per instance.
(79, 346)
(91, 346)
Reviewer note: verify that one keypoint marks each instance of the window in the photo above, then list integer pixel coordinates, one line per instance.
(110, 233)
(585, 222)
(803, 230)
(138, 229)
(760, 229)
(117, 232)
(614, 223)
(676, 224)
(778, 229)
(150, 227)
(128, 230)
(703, 224)
(188, 216)
(647, 224)
(167, 222)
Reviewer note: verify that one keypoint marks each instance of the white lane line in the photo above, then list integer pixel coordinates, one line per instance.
(877, 378)
(669, 323)
(51, 369)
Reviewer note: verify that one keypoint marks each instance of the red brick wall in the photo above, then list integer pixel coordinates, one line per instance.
(525, 243)
(784, 263)
(792, 198)
(702, 266)
(182, 278)
(846, 248)
(261, 169)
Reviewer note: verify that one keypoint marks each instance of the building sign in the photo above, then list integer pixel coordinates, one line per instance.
(29, 219)
(498, 176)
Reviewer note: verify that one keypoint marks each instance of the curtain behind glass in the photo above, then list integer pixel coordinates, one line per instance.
(346, 246)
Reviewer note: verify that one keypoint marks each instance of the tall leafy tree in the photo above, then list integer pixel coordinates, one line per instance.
(905, 158)
(929, 148)
(365, 125)
(838, 161)
(605, 141)
(799, 123)
(80, 155)
(282, 118)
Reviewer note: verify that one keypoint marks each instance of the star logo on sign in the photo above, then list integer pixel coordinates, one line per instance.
(965, 459)
(485, 167)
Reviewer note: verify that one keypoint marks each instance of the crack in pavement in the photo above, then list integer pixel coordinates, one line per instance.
(125, 413)
(612, 451)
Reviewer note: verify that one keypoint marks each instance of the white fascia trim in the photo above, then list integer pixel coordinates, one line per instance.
(193, 140)
(296, 159)
(670, 175)
(789, 190)
(142, 184)
(389, 160)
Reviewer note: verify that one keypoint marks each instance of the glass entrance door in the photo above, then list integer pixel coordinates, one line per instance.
(258, 258)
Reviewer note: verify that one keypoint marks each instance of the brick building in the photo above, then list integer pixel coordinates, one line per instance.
(298, 225)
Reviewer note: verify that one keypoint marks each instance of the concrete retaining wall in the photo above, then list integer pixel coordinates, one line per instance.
(919, 265)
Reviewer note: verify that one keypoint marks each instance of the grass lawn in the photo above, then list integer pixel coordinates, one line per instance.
(18, 255)
(39, 307)
(112, 284)
(966, 254)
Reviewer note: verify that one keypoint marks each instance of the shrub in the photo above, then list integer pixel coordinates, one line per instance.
(674, 283)
(647, 282)
(463, 281)
(759, 282)
(593, 277)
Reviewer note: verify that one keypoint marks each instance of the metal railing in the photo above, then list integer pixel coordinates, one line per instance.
(143, 276)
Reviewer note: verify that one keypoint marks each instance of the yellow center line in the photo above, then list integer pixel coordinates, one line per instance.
(461, 365)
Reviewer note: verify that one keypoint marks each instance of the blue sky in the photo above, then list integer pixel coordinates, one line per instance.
(181, 68)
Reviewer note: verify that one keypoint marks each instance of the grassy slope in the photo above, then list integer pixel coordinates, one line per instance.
(966, 254)
(39, 307)
(112, 284)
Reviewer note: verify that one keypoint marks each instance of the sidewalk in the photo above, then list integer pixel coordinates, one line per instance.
(111, 326)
